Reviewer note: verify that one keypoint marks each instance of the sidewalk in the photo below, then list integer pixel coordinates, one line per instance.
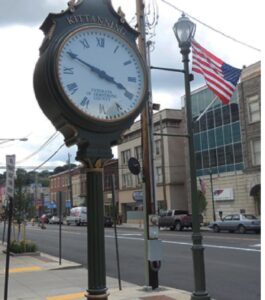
(42, 278)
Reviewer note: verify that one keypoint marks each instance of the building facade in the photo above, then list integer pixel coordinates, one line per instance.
(227, 146)
(169, 165)
(72, 185)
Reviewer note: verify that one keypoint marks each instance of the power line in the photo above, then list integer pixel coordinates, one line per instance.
(212, 28)
(49, 140)
(48, 158)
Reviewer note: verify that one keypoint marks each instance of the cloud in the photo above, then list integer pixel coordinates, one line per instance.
(28, 12)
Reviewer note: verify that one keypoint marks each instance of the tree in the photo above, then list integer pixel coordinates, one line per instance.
(22, 205)
(202, 201)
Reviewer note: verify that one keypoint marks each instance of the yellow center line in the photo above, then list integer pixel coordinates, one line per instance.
(67, 296)
(25, 269)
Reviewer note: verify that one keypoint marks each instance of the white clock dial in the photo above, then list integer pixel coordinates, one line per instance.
(100, 73)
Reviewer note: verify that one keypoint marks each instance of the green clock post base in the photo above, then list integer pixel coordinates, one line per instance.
(88, 155)
(95, 235)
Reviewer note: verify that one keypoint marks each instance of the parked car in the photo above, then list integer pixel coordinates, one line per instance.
(237, 222)
(55, 220)
(176, 219)
(108, 222)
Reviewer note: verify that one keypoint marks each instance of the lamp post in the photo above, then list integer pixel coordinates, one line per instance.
(211, 180)
(184, 31)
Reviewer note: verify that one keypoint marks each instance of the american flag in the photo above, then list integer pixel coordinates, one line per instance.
(220, 77)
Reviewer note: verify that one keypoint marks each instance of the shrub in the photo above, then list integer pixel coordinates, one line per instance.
(23, 246)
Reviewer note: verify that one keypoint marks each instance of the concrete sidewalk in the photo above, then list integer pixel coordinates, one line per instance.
(42, 278)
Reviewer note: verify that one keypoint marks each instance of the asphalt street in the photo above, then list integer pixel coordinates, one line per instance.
(232, 261)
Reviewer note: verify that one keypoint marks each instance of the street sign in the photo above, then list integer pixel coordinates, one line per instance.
(10, 175)
(137, 196)
(134, 166)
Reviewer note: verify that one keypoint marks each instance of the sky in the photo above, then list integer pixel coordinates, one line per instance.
(21, 116)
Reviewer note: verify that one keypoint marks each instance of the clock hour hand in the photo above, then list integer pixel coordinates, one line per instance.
(101, 74)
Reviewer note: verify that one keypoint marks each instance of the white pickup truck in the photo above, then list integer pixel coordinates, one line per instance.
(78, 216)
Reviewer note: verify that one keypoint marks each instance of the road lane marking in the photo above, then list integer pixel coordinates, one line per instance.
(130, 234)
(25, 269)
(190, 244)
(67, 296)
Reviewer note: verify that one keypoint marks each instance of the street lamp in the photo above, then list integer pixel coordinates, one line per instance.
(184, 31)
(211, 180)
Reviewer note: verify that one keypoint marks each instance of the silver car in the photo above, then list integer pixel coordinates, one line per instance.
(237, 222)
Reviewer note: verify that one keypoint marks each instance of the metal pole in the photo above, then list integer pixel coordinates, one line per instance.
(70, 181)
(115, 228)
(211, 179)
(60, 227)
(197, 248)
(163, 162)
(95, 235)
(4, 229)
(10, 214)
(145, 121)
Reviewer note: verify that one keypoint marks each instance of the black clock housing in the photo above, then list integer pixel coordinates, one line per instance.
(77, 128)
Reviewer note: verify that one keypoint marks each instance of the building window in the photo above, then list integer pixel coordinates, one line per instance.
(205, 159)
(158, 147)
(159, 175)
(253, 109)
(138, 152)
(229, 155)
(213, 158)
(210, 119)
(234, 112)
(236, 132)
(218, 117)
(238, 153)
(221, 156)
(125, 156)
(127, 180)
(226, 114)
(255, 150)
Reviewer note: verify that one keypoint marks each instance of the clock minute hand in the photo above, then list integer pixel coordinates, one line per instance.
(100, 73)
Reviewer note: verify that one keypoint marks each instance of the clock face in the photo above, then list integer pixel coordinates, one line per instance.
(100, 74)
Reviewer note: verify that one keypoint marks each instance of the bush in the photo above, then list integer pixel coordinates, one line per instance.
(23, 246)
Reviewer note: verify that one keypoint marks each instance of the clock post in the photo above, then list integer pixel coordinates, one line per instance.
(91, 82)
(95, 221)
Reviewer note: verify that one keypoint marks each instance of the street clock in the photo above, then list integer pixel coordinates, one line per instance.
(90, 79)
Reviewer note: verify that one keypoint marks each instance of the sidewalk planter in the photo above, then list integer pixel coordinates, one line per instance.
(24, 247)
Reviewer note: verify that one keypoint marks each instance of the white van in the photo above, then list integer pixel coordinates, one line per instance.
(78, 216)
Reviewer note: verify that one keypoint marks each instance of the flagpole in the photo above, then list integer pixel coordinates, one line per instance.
(207, 107)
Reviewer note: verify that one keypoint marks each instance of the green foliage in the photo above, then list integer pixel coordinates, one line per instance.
(63, 168)
(202, 201)
(23, 246)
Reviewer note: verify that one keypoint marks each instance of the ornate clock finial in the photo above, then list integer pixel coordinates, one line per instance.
(121, 14)
(71, 5)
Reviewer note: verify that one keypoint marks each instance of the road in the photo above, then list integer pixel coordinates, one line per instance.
(232, 261)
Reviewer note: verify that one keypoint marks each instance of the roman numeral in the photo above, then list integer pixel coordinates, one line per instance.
(115, 50)
(128, 62)
(128, 95)
(101, 109)
(85, 43)
(69, 71)
(72, 87)
(85, 101)
(132, 79)
(100, 42)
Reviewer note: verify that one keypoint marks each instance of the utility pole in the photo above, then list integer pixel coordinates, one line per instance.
(70, 181)
(148, 180)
